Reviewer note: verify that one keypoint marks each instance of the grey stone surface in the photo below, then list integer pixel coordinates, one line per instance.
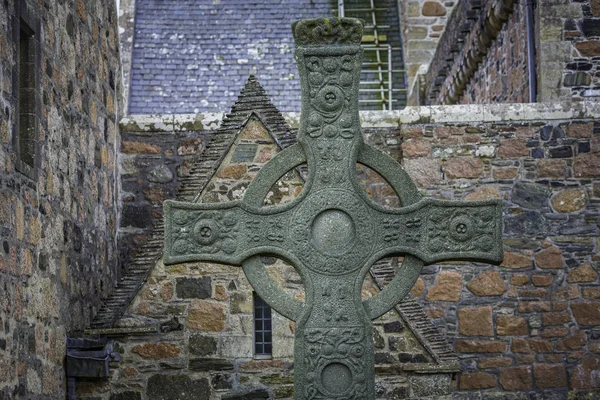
(129, 395)
(160, 174)
(210, 364)
(329, 232)
(177, 387)
(248, 394)
(430, 385)
(244, 153)
(530, 195)
(201, 345)
(199, 288)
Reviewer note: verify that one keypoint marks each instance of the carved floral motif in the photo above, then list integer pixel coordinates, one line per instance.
(205, 232)
(461, 230)
(330, 88)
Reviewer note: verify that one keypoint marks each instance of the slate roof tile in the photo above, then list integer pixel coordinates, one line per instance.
(181, 47)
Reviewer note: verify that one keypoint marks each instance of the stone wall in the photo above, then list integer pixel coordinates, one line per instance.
(57, 224)
(530, 324)
(502, 75)
(529, 328)
(423, 23)
(482, 57)
(204, 310)
(569, 46)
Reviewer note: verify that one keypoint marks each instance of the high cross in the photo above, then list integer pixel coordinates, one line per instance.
(332, 233)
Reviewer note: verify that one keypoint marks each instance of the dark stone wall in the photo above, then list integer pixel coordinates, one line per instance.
(581, 30)
(152, 166)
(58, 224)
(482, 56)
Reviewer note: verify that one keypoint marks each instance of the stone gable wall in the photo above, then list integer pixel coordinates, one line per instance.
(529, 328)
(207, 309)
(58, 231)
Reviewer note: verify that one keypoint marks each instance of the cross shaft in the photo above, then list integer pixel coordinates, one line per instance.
(332, 233)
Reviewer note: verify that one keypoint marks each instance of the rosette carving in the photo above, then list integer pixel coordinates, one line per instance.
(330, 85)
(461, 230)
(204, 232)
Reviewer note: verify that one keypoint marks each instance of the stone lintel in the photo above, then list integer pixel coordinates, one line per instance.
(429, 368)
(141, 330)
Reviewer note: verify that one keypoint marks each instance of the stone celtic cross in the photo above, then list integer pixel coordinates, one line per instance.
(332, 233)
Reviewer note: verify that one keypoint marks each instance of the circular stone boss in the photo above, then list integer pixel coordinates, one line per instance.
(331, 231)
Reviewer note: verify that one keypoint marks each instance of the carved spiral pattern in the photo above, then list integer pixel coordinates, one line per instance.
(342, 347)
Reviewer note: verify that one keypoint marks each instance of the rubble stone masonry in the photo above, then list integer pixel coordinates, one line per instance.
(528, 328)
(58, 224)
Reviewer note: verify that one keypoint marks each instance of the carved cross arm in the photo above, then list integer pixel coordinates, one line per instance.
(226, 233)
(438, 230)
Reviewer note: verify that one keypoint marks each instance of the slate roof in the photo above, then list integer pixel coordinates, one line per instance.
(191, 56)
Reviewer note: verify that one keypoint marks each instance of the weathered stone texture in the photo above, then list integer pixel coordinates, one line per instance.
(487, 284)
(477, 380)
(511, 326)
(424, 171)
(205, 315)
(550, 258)
(177, 387)
(586, 313)
(531, 346)
(464, 167)
(516, 378)
(586, 374)
(549, 375)
(476, 321)
(156, 351)
(448, 287)
(582, 274)
(58, 225)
